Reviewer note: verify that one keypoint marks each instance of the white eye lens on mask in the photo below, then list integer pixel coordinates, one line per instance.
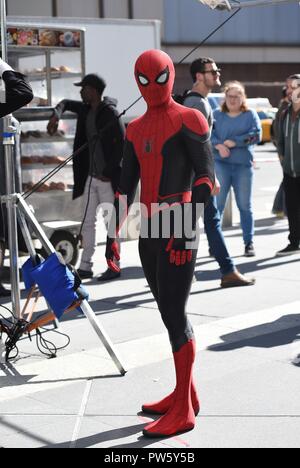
(163, 77)
(143, 80)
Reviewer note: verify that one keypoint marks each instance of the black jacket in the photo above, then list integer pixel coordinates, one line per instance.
(18, 92)
(112, 140)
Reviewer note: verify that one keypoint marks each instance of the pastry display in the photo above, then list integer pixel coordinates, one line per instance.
(12, 36)
(48, 38)
(39, 134)
(69, 39)
(25, 160)
(65, 69)
(53, 160)
(46, 160)
(28, 186)
(43, 188)
(58, 186)
(27, 37)
(31, 134)
(43, 37)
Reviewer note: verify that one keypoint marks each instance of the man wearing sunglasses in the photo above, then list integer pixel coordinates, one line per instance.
(206, 76)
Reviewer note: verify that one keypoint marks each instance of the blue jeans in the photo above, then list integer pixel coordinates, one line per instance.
(241, 179)
(213, 229)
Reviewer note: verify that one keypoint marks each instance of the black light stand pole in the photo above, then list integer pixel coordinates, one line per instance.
(9, 155)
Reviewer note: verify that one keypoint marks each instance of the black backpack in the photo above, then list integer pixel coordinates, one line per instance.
(180, 98)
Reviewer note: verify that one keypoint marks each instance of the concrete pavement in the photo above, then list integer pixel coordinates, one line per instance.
(246, 338)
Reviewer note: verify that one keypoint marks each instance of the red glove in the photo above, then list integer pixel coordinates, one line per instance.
(179, 256)
(112, 253)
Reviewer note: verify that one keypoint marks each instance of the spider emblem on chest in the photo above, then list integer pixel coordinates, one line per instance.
(148, 146)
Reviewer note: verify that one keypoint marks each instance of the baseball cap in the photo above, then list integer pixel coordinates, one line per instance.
(94, 81)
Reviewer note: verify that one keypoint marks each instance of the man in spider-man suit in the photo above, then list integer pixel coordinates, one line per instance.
(168, 149)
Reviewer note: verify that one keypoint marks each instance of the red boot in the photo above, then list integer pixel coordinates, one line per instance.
(181, 416)
(163, 406)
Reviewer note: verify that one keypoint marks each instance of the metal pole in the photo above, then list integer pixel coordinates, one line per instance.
(228, 213)
(3, 30)
(258, 3)
(9, 144)
(238, 5)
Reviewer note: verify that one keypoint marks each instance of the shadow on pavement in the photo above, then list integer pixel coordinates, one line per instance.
(247, 267)
(266, 223)
(267, 335)
(18, 380)
(107, 436)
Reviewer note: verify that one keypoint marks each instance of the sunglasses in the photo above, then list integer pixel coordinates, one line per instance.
(213, 72)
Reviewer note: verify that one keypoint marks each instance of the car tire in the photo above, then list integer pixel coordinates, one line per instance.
(66, 244)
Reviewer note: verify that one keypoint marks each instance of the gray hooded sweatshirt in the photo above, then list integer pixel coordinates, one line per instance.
(289, 142)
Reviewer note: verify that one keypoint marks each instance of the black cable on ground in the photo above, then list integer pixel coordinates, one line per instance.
(46, 347)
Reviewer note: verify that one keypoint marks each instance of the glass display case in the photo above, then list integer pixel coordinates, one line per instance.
(53, 60)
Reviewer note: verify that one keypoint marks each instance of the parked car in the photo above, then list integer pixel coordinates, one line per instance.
(262, 106)
(267, 118)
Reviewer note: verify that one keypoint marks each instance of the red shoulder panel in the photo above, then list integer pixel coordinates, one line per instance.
(195, 121)
(133, 128)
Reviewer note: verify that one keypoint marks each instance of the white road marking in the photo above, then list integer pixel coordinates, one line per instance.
(81, 413)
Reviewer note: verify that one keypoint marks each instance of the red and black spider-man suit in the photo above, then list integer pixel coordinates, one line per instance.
(167, 149)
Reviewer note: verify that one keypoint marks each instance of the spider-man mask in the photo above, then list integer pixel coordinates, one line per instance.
(155, 76)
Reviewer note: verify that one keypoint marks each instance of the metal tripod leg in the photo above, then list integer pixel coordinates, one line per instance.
(27, 236)
(30, 218)
(25, 212)
(91, 316)
(30, 248)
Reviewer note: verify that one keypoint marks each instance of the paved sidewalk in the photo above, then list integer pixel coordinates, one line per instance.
(246, 340)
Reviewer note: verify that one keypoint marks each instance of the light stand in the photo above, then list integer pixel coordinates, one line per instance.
(238, 5)
(19, 211)
(9, 144)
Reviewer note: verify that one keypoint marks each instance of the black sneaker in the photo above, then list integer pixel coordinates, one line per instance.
(85, 274)
(249, 250)
(109, 275)
(289, 250)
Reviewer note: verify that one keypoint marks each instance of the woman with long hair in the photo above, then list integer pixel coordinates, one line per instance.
(236, 130)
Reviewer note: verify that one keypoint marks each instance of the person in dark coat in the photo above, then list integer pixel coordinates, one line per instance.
(96, 169)
(18, 93)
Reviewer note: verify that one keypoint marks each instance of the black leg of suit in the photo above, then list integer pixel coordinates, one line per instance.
(170, 286)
